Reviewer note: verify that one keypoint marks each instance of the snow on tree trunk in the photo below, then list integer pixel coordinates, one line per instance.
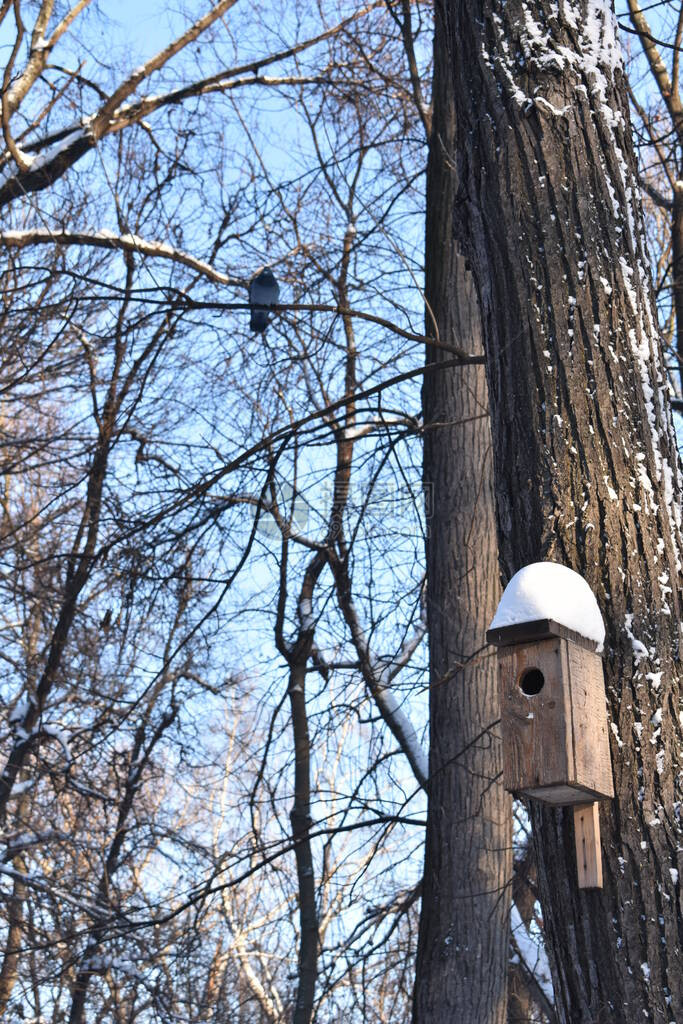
(463, 944)
(586, 470)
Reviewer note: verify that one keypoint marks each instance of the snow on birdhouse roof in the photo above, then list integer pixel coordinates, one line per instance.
(546, 590)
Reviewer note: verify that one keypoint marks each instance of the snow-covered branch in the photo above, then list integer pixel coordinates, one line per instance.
(533, 958)
(378, 423)
(104, 239)
(41, 162)
(159, 60)
(379, 675)
(39, 52)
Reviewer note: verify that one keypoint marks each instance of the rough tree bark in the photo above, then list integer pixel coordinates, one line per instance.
(677, 270)
(463, 943)
(586, 470)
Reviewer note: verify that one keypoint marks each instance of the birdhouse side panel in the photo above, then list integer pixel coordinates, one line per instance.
(592, 764)
(536, 728)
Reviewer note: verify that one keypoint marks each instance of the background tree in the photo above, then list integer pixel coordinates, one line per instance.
(654, 92)
(462, 961)
(166, 497)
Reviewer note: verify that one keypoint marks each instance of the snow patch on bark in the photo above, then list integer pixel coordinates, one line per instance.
(594, 60)
(640, 651)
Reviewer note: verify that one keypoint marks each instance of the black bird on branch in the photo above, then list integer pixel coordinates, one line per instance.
(263, 291)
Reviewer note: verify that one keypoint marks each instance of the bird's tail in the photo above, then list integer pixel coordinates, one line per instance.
(258, 321)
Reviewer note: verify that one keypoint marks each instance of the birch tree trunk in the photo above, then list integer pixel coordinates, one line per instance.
(586, 470)
(463, 942)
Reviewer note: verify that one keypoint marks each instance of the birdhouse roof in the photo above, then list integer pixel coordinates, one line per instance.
(551, 599)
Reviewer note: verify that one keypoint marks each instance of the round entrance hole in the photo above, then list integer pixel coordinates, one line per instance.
(531, 681)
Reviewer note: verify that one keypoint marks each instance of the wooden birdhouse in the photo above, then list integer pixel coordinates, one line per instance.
(548, 630)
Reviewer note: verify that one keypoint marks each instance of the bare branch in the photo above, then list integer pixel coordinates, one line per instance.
(657, 66)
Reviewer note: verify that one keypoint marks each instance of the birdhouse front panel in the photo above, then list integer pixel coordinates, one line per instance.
(554, 722)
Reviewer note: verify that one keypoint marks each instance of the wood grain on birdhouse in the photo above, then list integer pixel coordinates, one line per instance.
(554, 721)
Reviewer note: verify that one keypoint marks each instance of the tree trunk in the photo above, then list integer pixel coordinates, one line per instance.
(463, 942)
(300, 817)
(677, 271)
(9, 972)
(586, 470)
